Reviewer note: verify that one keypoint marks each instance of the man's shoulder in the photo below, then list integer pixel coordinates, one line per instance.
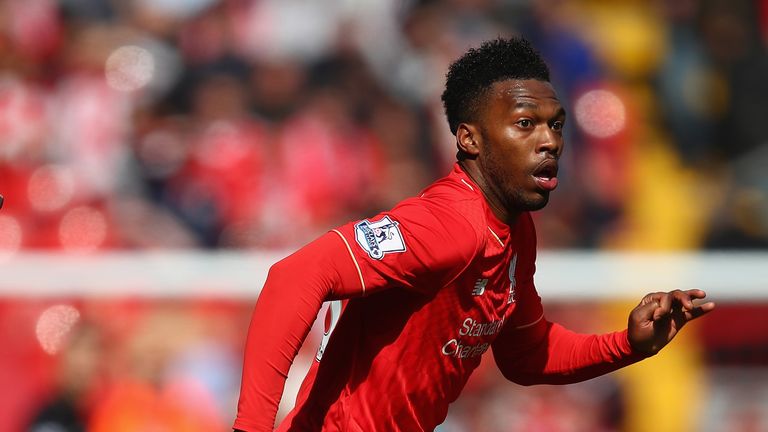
(450, 198)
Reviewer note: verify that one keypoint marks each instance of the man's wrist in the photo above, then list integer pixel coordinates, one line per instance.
(630, 349)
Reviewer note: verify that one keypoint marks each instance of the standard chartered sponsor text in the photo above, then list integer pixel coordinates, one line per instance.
(471, 328)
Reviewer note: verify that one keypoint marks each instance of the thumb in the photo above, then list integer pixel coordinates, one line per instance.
(645, 312)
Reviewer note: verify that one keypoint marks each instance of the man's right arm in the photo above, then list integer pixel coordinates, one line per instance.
(288, 304)
(426, 246)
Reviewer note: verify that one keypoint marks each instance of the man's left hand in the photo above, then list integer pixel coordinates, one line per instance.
(659, 316)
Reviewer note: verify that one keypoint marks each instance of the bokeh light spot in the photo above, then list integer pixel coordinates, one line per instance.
(82, 229)
(600, 113)
(50, 187)
(53, 327)
(10, 236)
(129, 68)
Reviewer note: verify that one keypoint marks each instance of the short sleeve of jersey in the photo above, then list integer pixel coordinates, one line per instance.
(420, 245)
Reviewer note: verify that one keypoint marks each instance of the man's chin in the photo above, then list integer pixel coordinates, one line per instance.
(537, 204)
(530, 204)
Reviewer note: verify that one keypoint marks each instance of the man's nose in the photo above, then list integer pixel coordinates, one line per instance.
(550, 142)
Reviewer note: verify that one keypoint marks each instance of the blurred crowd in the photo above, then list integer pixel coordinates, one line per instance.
(131, 365)
(259, 124)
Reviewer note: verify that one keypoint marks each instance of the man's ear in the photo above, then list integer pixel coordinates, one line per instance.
(468, 140)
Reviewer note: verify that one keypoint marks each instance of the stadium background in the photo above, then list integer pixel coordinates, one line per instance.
(172, 135)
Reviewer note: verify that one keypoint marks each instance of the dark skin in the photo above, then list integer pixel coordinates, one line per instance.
(511, 151)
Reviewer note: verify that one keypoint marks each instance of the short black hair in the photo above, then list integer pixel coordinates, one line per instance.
(495, 60)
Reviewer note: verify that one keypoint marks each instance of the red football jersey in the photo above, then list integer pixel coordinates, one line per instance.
(440, 276)
(426, 289)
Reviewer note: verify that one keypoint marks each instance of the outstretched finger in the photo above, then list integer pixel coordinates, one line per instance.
(682, 298)
(696, 293)
(699, 311)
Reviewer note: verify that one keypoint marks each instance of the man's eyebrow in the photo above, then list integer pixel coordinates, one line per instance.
(526, 104)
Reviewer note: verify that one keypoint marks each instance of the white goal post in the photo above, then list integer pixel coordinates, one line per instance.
(561, 275)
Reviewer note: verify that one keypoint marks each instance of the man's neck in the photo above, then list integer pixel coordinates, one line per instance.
(471, 168)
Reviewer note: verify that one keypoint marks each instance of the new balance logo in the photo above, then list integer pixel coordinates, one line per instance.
(480, 287)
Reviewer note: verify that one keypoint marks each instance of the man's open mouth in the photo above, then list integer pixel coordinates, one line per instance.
(545, 175)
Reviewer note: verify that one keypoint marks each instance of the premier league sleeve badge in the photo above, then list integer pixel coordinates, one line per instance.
(379, 237)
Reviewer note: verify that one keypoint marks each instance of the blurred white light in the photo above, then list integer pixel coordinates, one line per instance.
(600, 113)
(10, 236)
(82, 229)
(53, 327)
(176, 9)
(129, 68)
(50, 187)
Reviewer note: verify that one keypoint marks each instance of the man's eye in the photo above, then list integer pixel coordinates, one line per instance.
(525, 123)
(557, 126)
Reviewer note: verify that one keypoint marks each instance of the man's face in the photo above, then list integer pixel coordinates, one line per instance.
(521, 130)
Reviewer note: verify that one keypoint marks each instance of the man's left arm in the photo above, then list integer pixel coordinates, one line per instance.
(543, 352)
